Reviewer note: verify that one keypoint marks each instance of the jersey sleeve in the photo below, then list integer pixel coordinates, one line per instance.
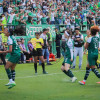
(10, 42)
(89, 39)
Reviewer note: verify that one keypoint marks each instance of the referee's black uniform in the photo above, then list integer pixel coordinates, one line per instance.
(1, 49)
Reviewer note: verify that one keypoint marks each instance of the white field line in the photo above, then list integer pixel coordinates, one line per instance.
(42, 75)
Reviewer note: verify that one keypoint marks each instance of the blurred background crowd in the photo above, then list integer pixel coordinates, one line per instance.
(70, 12)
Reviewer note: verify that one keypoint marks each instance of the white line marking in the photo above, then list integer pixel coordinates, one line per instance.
(42, 75)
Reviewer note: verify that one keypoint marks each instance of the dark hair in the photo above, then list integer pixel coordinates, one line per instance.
(21, 38)
(94, 30)
(77, 28)
(44, 29)
(18, 40)
(37, 33)
(11, 31)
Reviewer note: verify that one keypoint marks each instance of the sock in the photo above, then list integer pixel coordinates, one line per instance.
(10, 80)
(13, 74)
(69, 73)
(87, 73)
(96, 72)
(84, 80)
(8, 73)
(43, 67)
(35, 67)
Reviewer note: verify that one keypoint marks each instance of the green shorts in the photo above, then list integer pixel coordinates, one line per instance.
(67, 60)
(92, 59)
(14, 58)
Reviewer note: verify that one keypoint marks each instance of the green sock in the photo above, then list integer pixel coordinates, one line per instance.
(96, 72)
(13, 74)
(8, 73)
(68, 73)
(87, 73)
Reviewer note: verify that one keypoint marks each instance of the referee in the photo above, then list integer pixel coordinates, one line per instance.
(37, 52)
(78, 47)
(2, 49)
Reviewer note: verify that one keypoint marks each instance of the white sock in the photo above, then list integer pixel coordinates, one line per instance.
(84, 80)
(10, 80)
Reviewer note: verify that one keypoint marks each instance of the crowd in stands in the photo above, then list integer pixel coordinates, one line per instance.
(36, 12)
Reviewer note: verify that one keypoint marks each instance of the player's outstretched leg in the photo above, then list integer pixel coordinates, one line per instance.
(85, 77)
(68, 72)
(96, 72)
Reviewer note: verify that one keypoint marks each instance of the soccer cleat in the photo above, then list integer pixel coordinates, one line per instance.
(12, 84)
(45, 72)
(74, 79)
(36, 73)
(82, 82)
(8, 84)
(49, 64)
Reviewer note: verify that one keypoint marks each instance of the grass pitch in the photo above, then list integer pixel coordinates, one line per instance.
(54, 86)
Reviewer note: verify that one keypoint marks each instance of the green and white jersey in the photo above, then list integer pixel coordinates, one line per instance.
(69, 48)
(12, 41)
(93, 45)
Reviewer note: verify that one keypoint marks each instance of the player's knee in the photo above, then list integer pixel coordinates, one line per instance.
(6, 67)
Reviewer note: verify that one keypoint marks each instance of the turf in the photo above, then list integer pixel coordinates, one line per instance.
(54, 86)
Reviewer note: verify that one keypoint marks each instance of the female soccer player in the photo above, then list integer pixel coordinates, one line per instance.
(92, 46)
(14, 57)
(37, 43)
(68, 58)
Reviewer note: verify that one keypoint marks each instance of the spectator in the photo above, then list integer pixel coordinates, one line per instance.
(4, 21)
(58, 38)
(78, 47)
(2, 49)
(49, 39)
(1, 6)
(46, 47)
(27, 54)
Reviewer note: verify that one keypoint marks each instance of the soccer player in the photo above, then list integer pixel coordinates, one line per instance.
(68, 58)
(14, 57)
(92, 46)
(37, 43)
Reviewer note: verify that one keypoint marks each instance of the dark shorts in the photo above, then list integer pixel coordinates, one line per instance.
(67, 60)
(92, 59)
(14, 58)
(37, 52)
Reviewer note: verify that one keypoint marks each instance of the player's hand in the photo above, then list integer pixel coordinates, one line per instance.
(71, 60)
